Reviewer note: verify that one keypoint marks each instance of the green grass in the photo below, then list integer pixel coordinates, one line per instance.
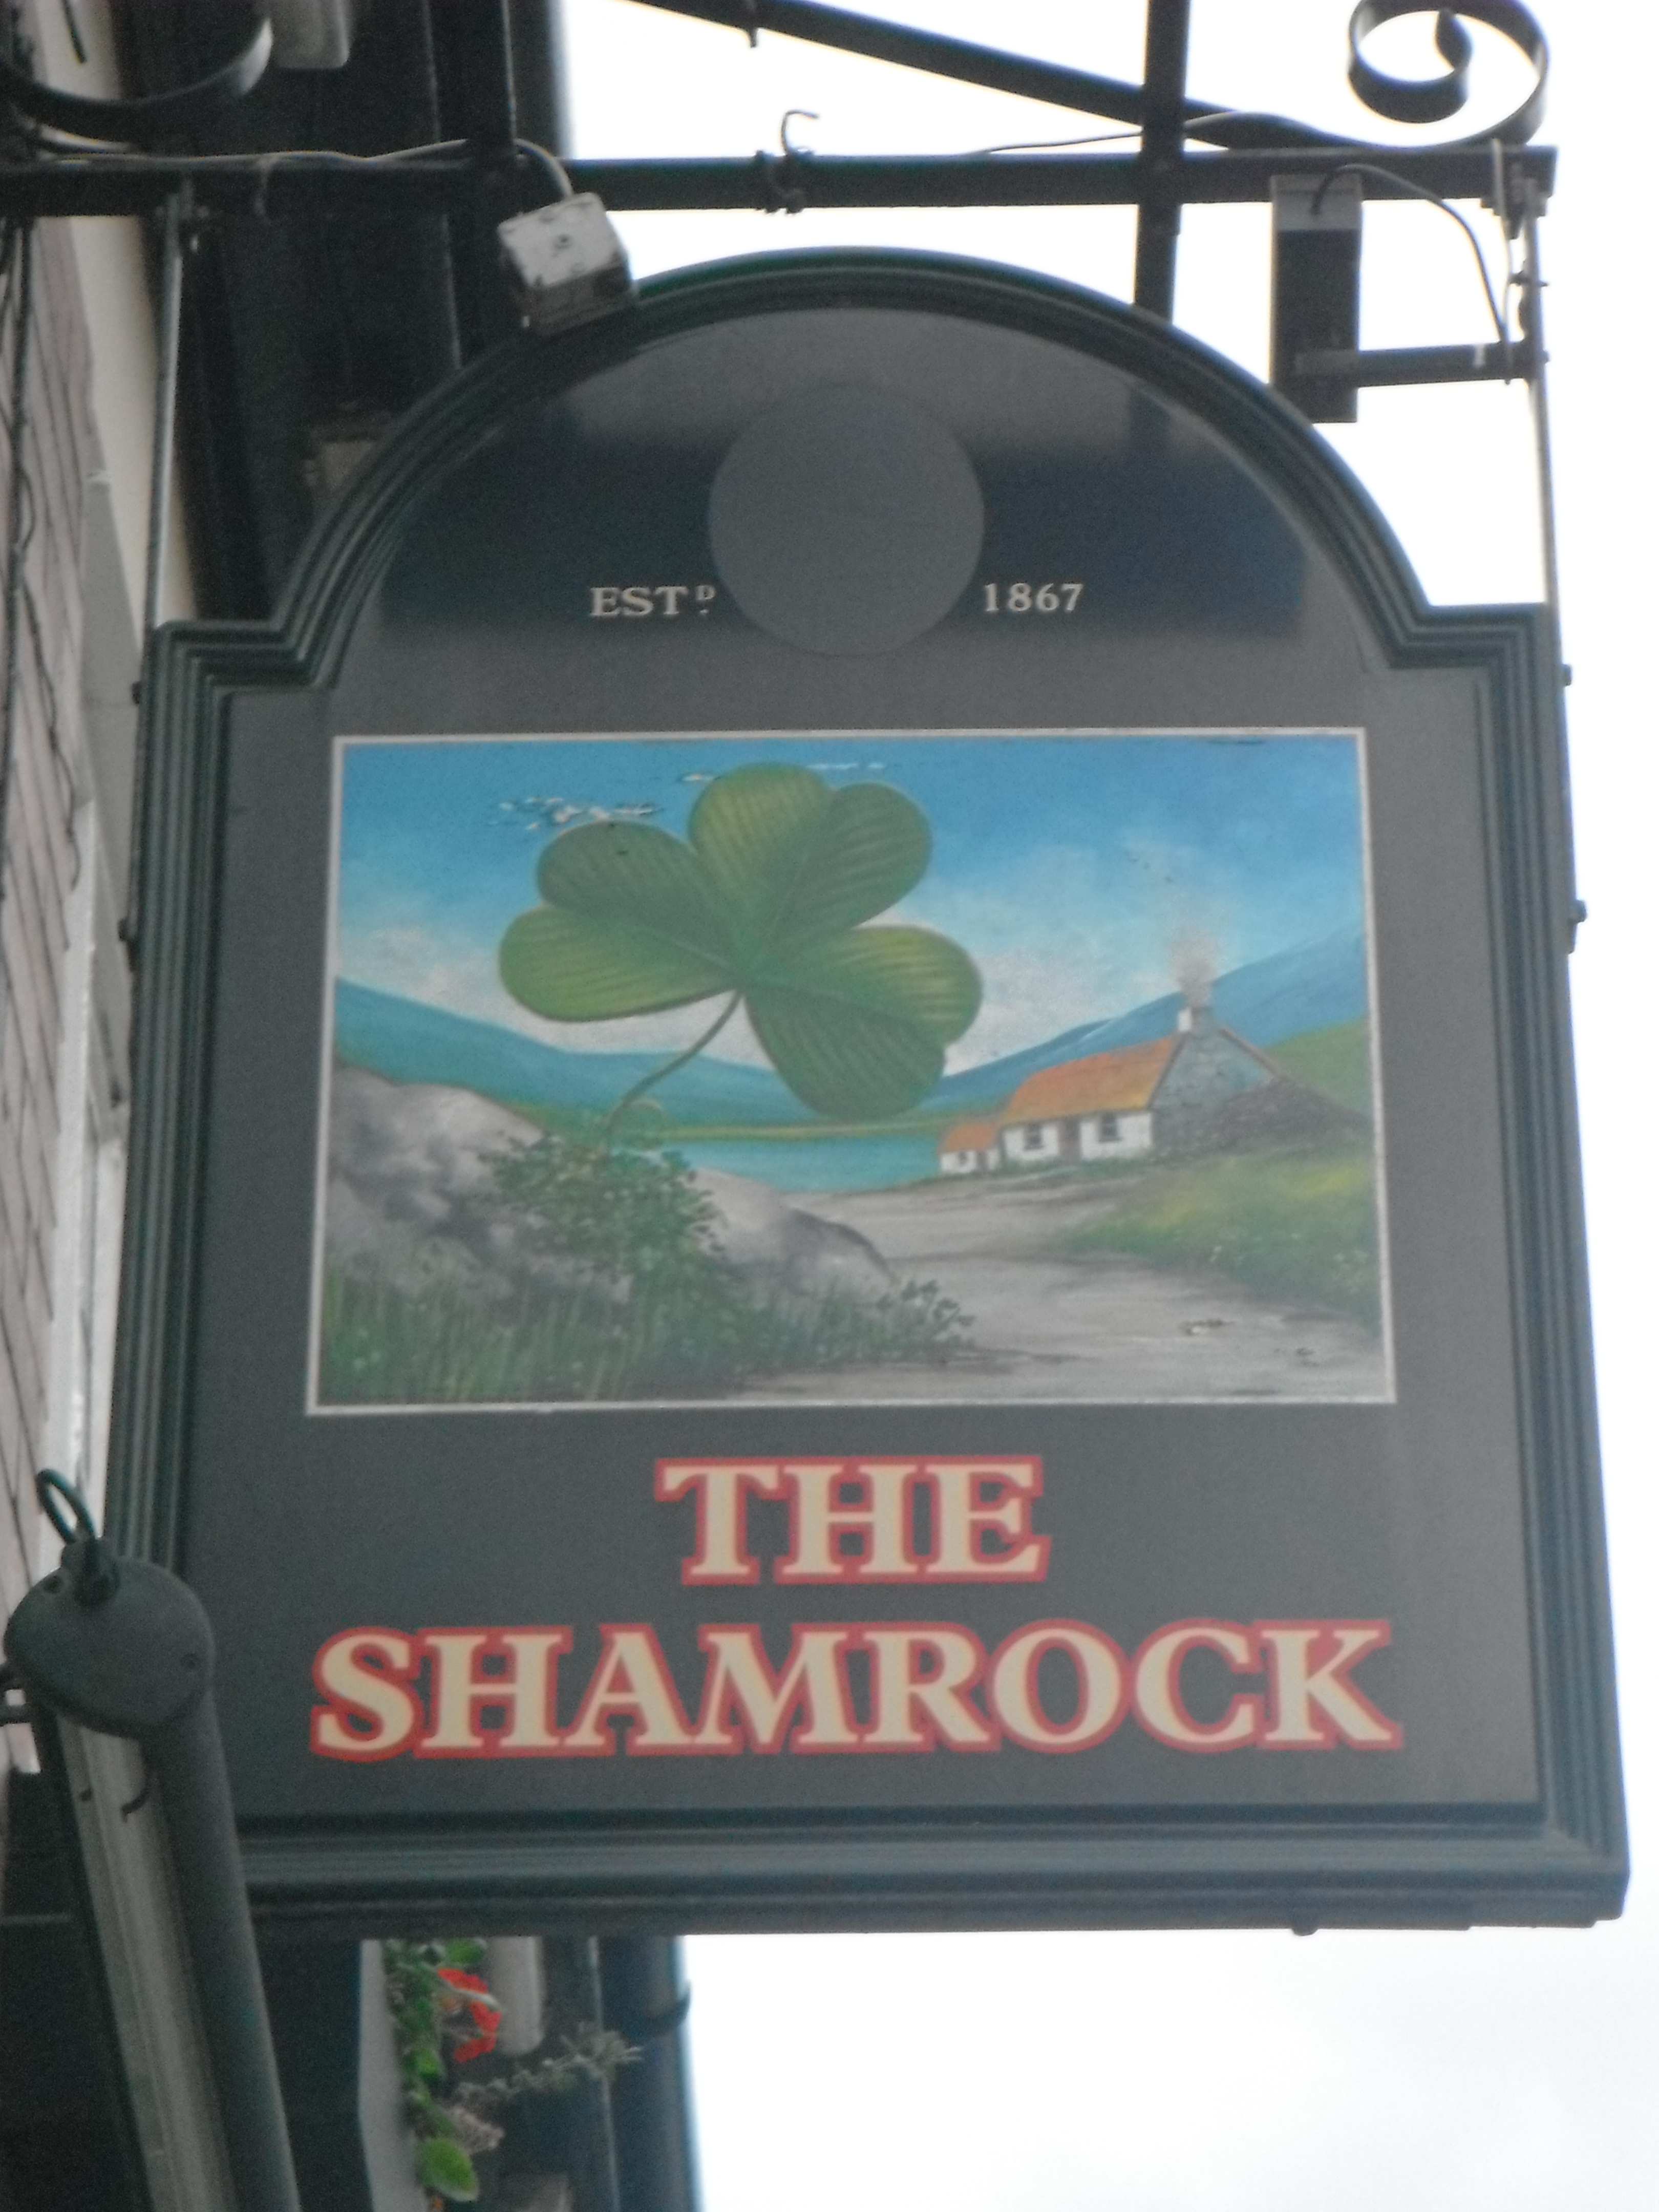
(1336, 1060)
(384, 1346)
(1293, 1225)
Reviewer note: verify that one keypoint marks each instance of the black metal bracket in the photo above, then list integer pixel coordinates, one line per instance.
(1254, 156)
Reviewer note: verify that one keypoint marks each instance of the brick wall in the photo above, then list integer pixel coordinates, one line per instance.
(41, 861)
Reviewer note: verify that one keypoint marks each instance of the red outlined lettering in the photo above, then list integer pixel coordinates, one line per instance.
(722, 1488)
(1159, 1705)
(1103, 1685)
(824, 1518)
(631, 1682)
(974, 1499)
(371, 1711)
(525, 1690)
(493, 1693)
(914, 1710)
(739, 1687)
(1313, 1703)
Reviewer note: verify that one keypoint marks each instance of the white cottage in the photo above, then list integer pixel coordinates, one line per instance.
(969, 1148)
(1125, 1104)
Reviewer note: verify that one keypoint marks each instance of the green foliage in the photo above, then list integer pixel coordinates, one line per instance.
(435, 1996)
(432, 2019)
(632, 1221)
(641, 1303)
(1290, 1224)
(762, 906)
(443, 2166)
(1336, 1060)
(382, 1346)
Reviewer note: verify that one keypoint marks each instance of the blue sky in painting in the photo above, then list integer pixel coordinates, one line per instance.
(1073, 869)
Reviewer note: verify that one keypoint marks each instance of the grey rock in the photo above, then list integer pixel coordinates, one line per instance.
(780, 1247)
(412, 1186)
(413, 1202)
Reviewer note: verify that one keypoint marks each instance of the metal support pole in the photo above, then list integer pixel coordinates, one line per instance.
(539, 74)
(307, 185)
(116, 1659)
(1162, 137)
(603, 2183)
(1537, 376)
(162, 423)
(648, 2001)
(501, 121)
(166, 400)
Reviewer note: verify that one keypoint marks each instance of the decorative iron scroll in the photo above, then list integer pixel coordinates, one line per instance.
(1414, 100)
(1403, 99)
(1432, 100)
(157, 115)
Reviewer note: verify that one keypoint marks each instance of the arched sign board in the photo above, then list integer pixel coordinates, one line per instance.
(856, 1197)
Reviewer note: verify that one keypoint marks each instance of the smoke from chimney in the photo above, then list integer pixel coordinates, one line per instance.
(1193, 959)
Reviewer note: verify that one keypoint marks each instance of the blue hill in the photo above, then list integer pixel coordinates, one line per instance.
(408, 1043)
(1309, 987)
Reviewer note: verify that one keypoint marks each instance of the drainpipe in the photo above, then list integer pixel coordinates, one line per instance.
(647, 1999)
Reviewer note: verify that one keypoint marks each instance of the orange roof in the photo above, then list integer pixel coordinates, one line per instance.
(1105, 1083)
(969, 1137)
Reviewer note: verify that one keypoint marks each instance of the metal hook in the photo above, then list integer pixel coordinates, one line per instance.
(793, 152)
(49, 1485)
(90, 1566)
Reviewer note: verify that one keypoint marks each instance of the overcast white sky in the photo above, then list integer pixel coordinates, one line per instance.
(1178, 2073)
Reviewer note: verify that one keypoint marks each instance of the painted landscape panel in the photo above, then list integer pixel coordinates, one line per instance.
(973, 1067)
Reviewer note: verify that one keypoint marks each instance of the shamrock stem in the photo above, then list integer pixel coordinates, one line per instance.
(657, 1075)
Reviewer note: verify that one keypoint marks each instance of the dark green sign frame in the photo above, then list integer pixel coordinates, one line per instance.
(1427, 1553)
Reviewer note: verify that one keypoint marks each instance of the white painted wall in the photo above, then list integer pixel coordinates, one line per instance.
(1133, 1136)
(113, 293)
(1019, 1151)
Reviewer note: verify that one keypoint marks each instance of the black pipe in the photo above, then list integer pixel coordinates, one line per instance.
(1161, 139)
(123, 1649)
(188, 1762)
(647, 2000)
(538, 76)
(1450, 364)
(283, 184)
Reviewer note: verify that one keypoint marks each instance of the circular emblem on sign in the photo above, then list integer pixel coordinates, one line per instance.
(847, 520)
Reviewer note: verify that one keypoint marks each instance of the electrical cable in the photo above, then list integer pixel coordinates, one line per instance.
(297, 161)
(551, 163)
(1105, 138)
(1422, 192)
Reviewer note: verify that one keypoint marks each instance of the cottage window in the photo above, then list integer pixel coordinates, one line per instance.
(1106, 1129)
(1031, 1137)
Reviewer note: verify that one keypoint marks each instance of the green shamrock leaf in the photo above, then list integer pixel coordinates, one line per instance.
(762, 906)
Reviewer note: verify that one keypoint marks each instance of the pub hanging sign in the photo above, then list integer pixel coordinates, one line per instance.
(855, 1193)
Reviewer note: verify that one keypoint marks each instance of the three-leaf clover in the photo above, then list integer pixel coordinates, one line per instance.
(762, 904)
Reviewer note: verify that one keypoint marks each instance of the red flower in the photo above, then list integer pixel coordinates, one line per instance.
(485, 2013)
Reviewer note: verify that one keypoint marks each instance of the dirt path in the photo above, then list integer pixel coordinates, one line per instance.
(1106, 1329)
